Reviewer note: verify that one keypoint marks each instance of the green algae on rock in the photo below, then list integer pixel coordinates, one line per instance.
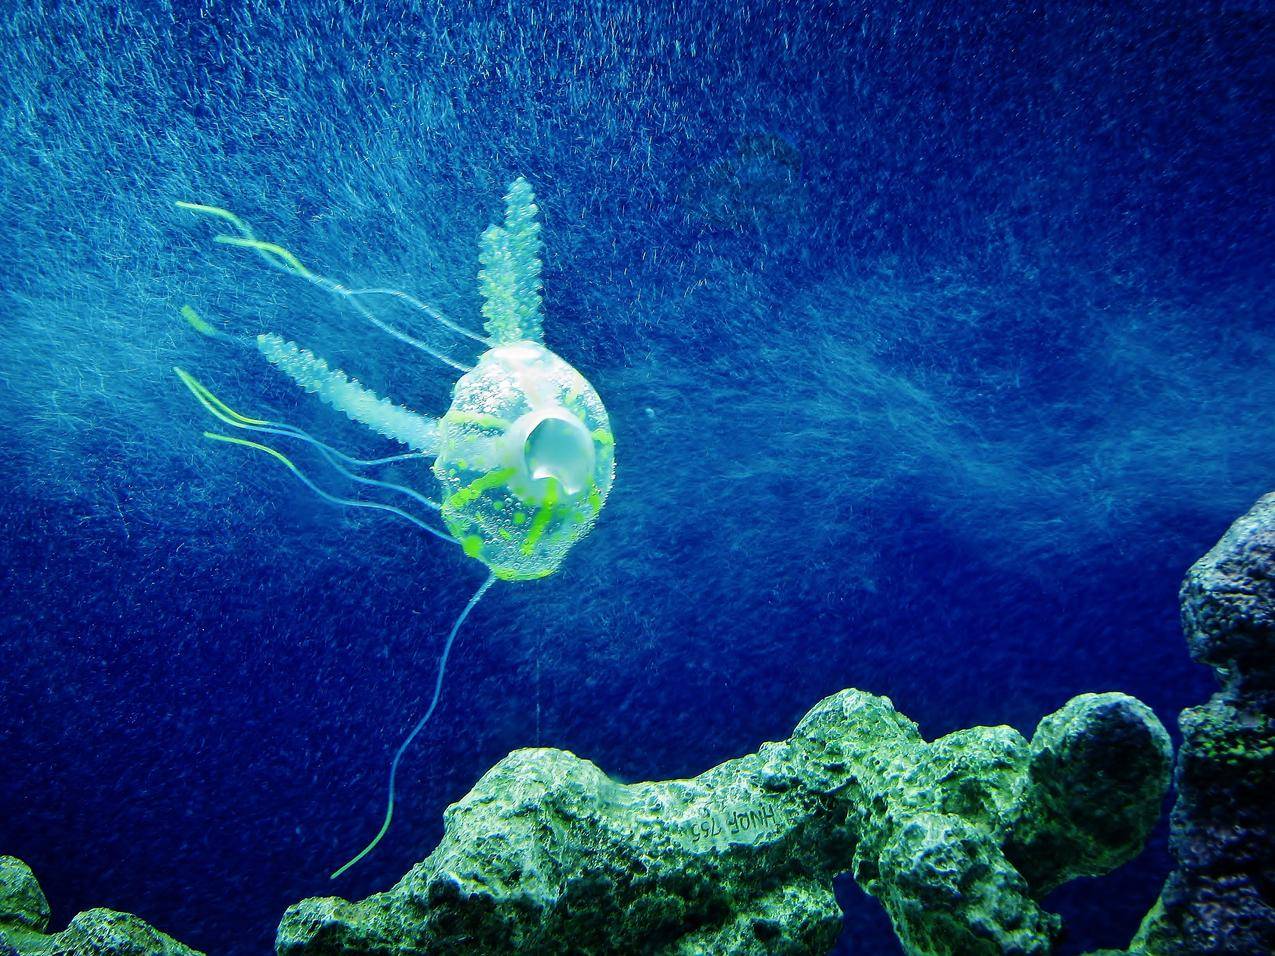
(548, 854)
(1096, 784)
(21, 899)
(24, 921)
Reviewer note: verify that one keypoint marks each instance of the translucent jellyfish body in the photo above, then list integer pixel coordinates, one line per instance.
(525, 458)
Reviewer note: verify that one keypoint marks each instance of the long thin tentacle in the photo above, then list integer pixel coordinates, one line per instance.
(281, 258)
(429, 310)
(420, 724)
(378, 483)
(277, 257)
(326, 496)
(197, 323)
(224, 413)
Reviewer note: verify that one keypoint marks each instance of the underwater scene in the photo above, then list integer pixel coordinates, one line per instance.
(637, 477)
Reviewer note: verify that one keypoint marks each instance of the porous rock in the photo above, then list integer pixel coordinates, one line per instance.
(24, 919)
(1220, 896)
(1099, 768)
(548, 854)
(22, 901)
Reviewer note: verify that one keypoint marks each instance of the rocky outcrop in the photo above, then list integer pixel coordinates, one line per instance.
(958, 838)
(24, 921)
(1220, 897)
(1094, 791)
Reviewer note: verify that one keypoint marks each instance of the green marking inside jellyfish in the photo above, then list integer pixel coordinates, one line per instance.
(524, 457)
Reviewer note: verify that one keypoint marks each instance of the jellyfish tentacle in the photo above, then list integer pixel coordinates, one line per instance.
(333, 456)
(217, 212)
(348, 395)
(327, 496)
(420, 725)
(272, 251)
(213, 404)
(225, 413)
(429, 310)
(509, 279)
(396, 333)
(281, 258)
(379, 483)
(196, 322)
(240, 226)
(277, 257)
(231, 417)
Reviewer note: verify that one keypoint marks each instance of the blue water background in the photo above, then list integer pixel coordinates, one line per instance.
(937, 341)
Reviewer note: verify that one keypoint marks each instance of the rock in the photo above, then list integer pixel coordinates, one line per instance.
(1228, 606)
(21, 899)
(106, 932)
(1220, 896)
(24, 918)
(548, 854)
(1099, 768)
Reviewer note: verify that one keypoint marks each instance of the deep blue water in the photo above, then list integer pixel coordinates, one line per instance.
(937, 341)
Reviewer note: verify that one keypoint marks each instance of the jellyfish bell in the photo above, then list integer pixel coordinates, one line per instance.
(524, 457)
(525, 460)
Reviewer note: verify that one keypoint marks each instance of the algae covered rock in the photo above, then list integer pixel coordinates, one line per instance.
(548, 854)
(1098, 770)
(24, 918)
(22, 901)
(1220, 896)
(114, 934)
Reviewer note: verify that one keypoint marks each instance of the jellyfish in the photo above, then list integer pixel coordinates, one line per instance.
(524, 458)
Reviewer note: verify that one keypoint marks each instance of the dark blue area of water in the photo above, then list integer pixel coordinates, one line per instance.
(937, 340)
